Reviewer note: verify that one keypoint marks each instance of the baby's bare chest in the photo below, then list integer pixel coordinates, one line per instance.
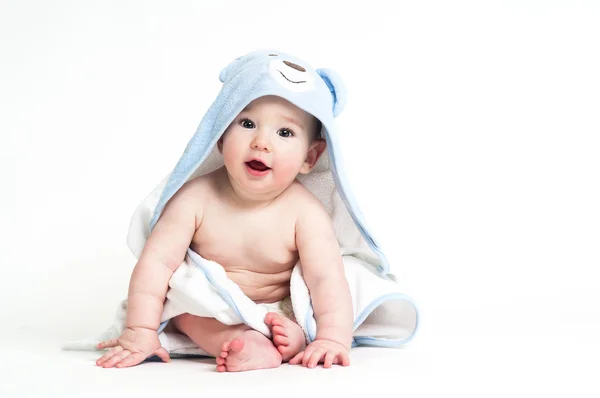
(259, 241)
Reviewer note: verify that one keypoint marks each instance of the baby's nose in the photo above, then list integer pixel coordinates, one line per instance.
(260, 143)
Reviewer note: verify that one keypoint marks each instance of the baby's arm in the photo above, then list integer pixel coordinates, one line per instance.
(323, 272)
(163, 252)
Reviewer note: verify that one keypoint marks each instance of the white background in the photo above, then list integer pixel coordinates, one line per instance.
(474, 126)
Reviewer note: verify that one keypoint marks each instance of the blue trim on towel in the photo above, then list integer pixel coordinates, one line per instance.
(376, 303)
(375, 342)
(224, 294)
(162, 326)
(385, 342)
(311, 326)
(219, 290)
(343, 188)
(380, 342)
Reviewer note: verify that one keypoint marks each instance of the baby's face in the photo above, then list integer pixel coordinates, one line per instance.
(269, 143)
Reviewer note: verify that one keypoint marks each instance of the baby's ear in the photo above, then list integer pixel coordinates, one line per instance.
(337, 88)
(315, 151)
(220, 145)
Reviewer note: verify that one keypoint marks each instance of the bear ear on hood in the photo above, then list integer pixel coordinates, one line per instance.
(335, 85)
(225, 70)
(223, 74)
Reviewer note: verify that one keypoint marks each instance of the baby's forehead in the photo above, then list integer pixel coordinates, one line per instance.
(274, 105)
(273, 101)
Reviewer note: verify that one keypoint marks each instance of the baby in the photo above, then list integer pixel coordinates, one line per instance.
(255, 219)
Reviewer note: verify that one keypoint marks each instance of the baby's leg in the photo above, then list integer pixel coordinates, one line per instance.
(236, 348)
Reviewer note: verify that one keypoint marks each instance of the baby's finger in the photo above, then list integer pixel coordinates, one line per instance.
(118, 358)
(343, 359)
(307, 354)
(329, 357)
(163, 354)
(107, 344)
(132, 360)
(297, 359)
(108, 355)
(315, 358)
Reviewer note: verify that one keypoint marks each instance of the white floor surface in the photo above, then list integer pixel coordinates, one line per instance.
(472, 367)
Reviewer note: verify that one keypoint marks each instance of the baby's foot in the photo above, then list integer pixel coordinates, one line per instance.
(288, 337)
(252, 350)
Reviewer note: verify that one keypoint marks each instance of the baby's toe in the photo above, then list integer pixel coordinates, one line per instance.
(221, 368)
(279, 330)
(269, 318)
(281, 340)
(236, 345)
(274, 319)
(225, 346)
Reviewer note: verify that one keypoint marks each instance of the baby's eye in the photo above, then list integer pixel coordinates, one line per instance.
(285, 133)
(247, 123)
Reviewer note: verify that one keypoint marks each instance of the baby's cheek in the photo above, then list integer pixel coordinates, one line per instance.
(231, 153)
(287, 170)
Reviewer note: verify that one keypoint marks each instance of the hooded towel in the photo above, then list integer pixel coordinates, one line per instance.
(383, 314)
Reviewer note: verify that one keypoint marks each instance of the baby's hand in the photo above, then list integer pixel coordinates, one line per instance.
(326, 351)
(132, 347)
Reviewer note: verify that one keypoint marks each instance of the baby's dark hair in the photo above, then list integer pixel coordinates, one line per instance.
(318, 127)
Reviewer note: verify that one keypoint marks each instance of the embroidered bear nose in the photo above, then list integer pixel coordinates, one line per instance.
(295, 66)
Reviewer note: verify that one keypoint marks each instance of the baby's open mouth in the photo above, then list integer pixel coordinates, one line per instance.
(257, 165)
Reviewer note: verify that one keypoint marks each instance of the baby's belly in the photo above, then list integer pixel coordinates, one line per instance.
(262, 287)
(262, 272)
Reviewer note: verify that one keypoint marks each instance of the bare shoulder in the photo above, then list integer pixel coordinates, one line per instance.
(202, 184)
(188, 191)
(308, 208)
(202, 187)
(314, 230)
(300, 195)
(192, 197)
